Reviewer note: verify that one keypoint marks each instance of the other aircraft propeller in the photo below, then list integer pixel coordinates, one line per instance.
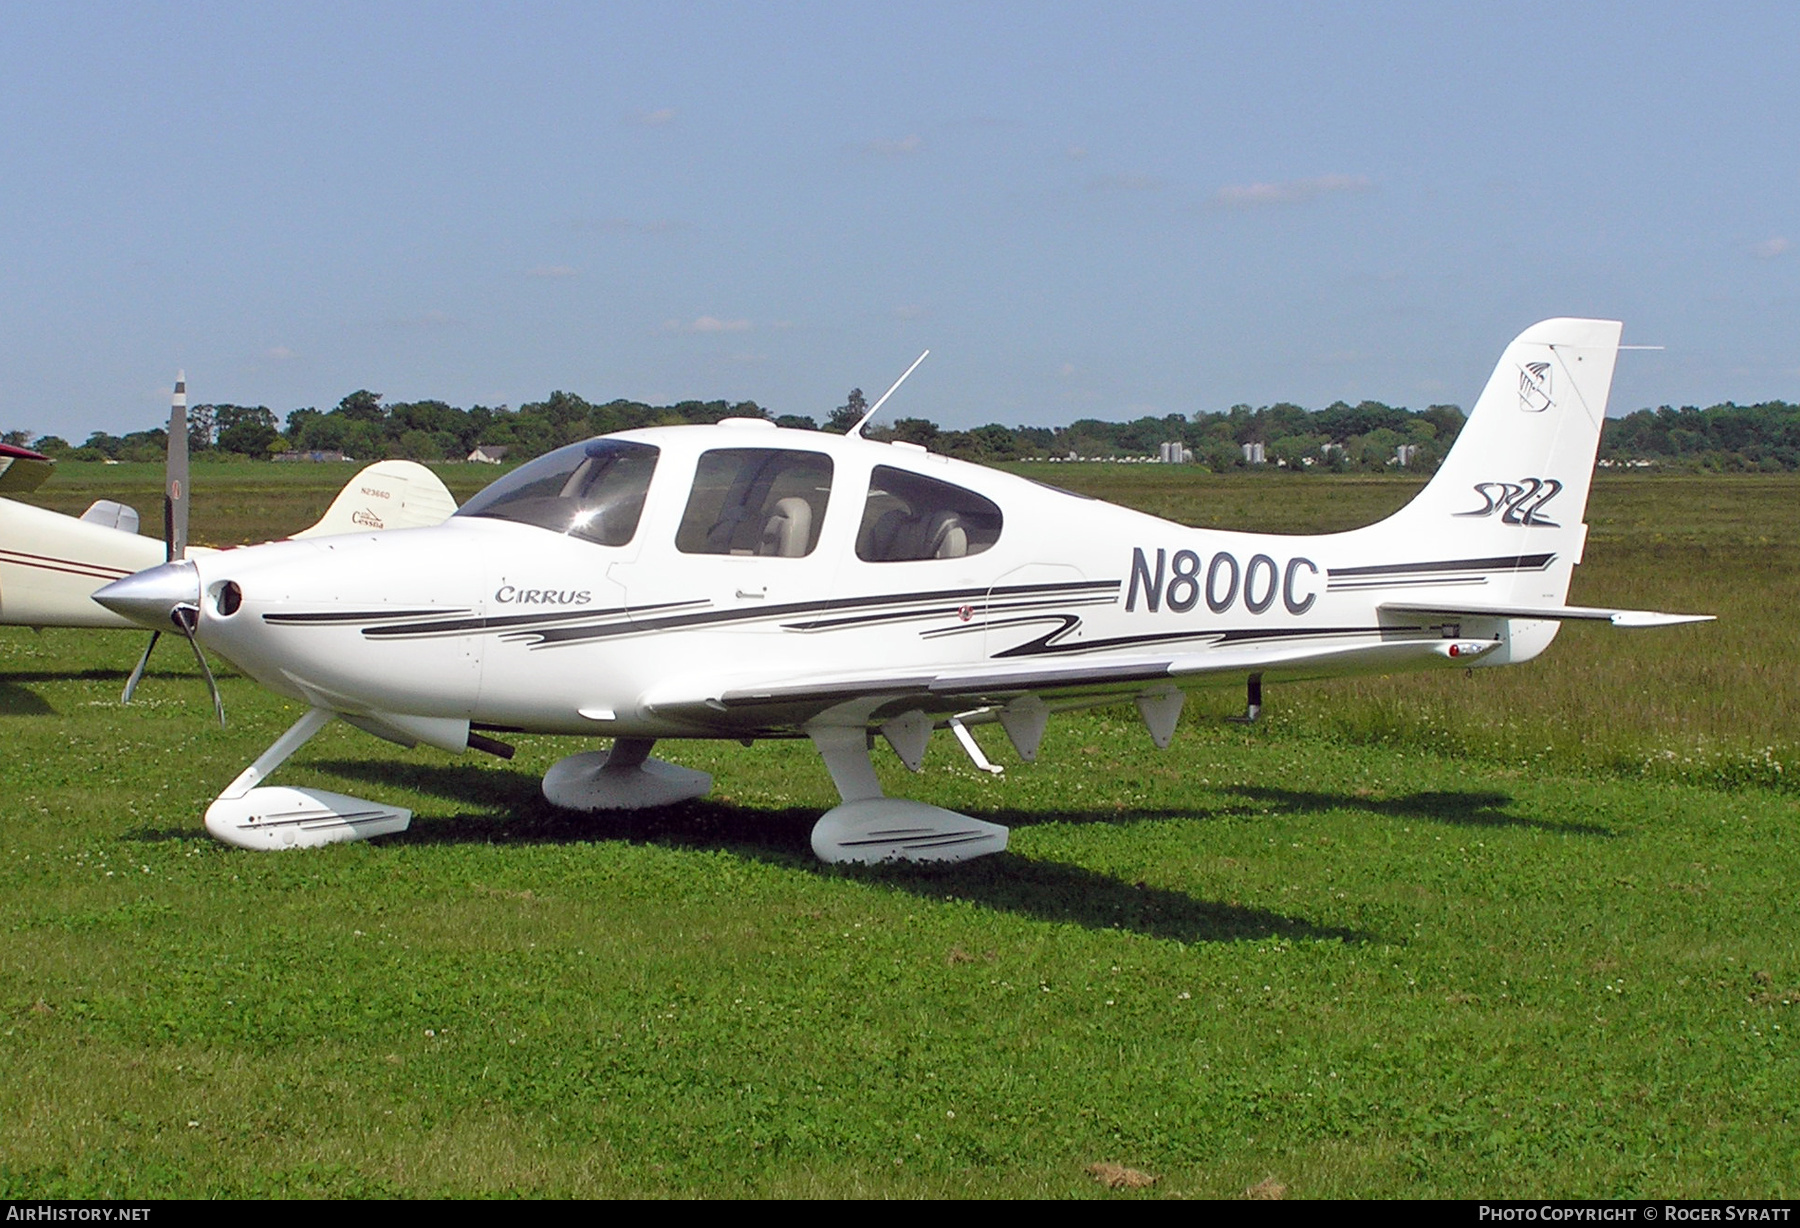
(183, 614)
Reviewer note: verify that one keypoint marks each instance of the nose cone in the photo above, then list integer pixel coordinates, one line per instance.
(155, 596)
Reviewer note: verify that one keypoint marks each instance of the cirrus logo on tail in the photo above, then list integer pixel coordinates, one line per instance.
(1519, 503)
(1534, 387)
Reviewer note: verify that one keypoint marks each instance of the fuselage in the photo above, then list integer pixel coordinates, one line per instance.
(724, 557)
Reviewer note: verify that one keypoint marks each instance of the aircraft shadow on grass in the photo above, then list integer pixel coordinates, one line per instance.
(515, 812)
(18, 699)
(1470, 808)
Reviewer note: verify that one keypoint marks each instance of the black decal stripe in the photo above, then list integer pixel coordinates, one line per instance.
(1046, 645)
(1510, 562)
(909, 841)
(525, 626)
(506, 622)
(555, 636)
(358, 616)
(1353, 586)
(958, 595)
(1249, 635)
(1064, 624)
(831, 624)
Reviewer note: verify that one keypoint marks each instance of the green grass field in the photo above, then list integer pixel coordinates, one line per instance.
(1526, 933)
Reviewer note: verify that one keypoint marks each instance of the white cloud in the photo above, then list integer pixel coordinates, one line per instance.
(708, 324)
(280, 353)
(1291, 191)
(1066, 370)
(1077, 152)
(901, 148)
(911, 311)
(662, 117)
(426, 319)
(550, 270)
(1768, 249)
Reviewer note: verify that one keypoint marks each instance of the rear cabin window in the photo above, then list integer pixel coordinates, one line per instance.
(593, 490)
(912, 517)
(756, 501)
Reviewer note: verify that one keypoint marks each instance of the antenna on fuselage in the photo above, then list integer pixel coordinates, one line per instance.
(864, 420)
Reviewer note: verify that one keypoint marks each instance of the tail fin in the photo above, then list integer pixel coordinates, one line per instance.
(394, 494)
(1515, 484)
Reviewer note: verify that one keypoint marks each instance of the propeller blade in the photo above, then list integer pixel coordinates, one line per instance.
(175, 523)
(175, 474)
(137, 675)
(185, 617)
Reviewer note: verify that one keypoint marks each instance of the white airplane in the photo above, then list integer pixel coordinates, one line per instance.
(50, 564)
(741, 581)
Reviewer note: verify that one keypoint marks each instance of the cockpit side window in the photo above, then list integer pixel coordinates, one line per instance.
(911, 517)
(756, 501)
(593, 490)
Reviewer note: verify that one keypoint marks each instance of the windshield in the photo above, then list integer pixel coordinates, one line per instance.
(593, 490)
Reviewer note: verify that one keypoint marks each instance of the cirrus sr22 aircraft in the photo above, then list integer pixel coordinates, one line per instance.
(742, 581)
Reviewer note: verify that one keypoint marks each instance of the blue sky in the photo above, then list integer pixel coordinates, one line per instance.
(1082, 210)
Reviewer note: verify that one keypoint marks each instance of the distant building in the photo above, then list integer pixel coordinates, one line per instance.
(1404, 453)
(489, 453)
(316, 455)
(1177, 454)
(1254, 454)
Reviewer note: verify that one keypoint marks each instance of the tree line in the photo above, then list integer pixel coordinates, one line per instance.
(1727, 437)
(1365, 437)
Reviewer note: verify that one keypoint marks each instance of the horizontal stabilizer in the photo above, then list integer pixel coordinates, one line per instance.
(1561, 613)
(111, 514)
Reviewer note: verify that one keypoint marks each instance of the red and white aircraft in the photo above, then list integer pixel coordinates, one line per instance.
(740, 581)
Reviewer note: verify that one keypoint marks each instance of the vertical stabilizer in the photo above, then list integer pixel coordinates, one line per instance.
(1515, 484)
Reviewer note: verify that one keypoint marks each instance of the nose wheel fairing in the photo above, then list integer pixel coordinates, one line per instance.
(254, 816)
